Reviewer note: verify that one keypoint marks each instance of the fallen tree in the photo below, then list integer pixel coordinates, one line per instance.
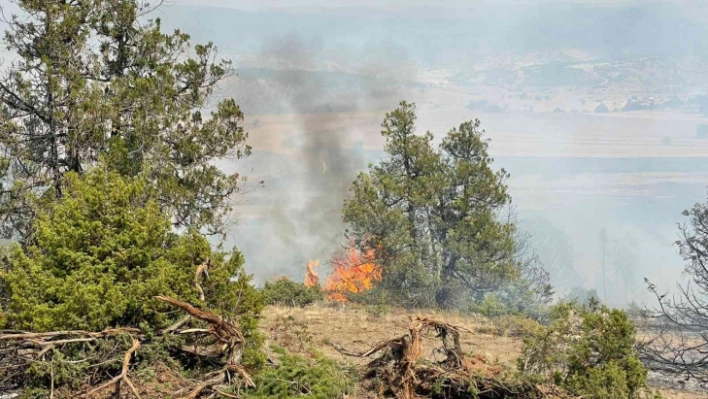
(20, 350)
(221, 341)
(229, 345)
(400, 369)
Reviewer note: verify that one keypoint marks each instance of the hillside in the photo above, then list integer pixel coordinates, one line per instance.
(359, 328)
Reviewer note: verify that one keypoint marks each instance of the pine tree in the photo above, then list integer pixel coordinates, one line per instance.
(95, 81)
(434, 216)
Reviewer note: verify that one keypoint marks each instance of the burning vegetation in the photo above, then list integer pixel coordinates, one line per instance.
(312, 279)
(355, 272)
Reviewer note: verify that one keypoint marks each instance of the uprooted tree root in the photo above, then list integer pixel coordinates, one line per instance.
(221, 341)
(399, 369)
(229, 345)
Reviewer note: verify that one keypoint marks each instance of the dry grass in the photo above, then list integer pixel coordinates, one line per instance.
(674, 394)
(357, 328)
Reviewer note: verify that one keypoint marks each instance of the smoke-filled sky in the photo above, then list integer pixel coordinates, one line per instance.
(597, 108)
(272, 4)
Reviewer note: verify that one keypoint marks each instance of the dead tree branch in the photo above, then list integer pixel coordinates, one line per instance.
(202, 270)
(123, 376)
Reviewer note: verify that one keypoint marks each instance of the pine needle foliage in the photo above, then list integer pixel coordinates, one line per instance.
(97, 257)
(285, 292)
(99, 81)
(590, 351)
(296, 376)
(434, 215)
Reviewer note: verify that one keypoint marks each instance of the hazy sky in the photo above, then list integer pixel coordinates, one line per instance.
(260, 4)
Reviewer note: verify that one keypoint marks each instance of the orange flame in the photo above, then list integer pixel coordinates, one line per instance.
(353, 273)
(312, 279)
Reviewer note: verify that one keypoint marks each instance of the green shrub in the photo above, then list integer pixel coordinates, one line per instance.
(491, 306)
(298, 377)
(511, 302)
(35, 393)
(97, 257)
(374, 297)
(286, 292)
(589, 351)
(64, 372)
(516, 326)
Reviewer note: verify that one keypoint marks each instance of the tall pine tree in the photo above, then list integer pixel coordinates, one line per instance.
(96, 81)
(434, 216)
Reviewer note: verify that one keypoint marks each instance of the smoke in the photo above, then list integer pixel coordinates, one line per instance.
(330, 164)
(303, 82)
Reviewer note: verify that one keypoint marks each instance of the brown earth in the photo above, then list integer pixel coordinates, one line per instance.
(359, 328)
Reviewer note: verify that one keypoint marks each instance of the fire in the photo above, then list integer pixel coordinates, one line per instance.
(312, 279)
(353, 273)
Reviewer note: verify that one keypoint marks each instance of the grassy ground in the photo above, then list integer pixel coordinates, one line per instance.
(358, 329)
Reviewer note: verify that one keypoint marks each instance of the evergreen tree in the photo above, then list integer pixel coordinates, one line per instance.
(94, 80)
(97, 257)
(434, 215)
